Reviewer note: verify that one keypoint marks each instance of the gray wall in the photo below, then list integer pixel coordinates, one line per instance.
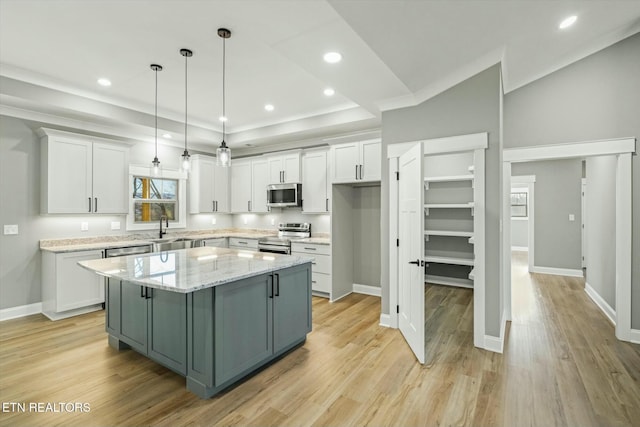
(472, 106)
(595, 98)
(601, 227)
(20, 190)
(557, 194)
(366, 236)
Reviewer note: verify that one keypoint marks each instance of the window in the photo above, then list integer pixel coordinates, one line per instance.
(152, 197)
(519, 205)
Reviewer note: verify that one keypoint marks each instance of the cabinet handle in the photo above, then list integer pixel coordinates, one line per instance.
(90, 204)
(148, 293)
(242, 243)
(360, 171)
(356, 171)
(95, 205)
(326, 205)
(313, 281)
(271, 286)
(216, 206)
(249, 205)
(310, 249)
(142, 288)
(277, 284)
(213, 206)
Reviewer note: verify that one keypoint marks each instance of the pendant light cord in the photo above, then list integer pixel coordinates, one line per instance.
(156, 111)
(224, 67)
(185, 102)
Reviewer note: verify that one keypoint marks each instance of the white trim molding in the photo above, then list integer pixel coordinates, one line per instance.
(635, 336)
(520, 248)
(601, 303)
(375, 291)
(385, 321)
(496, 344)
(557, 271)
(571, 150)
(20, 311)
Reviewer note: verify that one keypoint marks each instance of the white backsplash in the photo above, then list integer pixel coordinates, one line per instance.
(319, 223)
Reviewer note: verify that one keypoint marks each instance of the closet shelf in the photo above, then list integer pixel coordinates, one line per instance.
(450, 233)
(448, 281)
(448, 178)
(454, 260)
(472, 274)
(448, 205)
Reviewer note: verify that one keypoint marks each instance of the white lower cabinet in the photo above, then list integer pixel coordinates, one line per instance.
(320, 267)
(218, 242)
(67, 288)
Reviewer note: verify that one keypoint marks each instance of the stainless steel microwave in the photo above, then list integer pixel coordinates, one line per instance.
(284, 195)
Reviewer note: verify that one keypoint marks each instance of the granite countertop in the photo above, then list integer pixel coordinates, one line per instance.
(316, 240)
(142, 239)
(189, 270)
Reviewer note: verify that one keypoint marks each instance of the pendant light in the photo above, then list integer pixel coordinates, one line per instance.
(155, 164)
(186, 157)
(223, 153)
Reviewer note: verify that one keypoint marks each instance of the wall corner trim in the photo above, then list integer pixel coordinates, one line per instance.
(20, 311)
(601, 303)
(385, 320)
(496, 344)
(367, 290)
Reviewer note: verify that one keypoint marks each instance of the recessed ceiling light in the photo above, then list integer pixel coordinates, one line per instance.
(268, 107)
(222, 118)
(167, 136)
(567, 22)
(104, 82)
(332, 57)
(329, 91)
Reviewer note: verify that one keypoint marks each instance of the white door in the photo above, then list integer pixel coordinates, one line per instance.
(345, 162)
(259, 176)
(314, 182)
(240, 186)
(584, 222)
(411, 267)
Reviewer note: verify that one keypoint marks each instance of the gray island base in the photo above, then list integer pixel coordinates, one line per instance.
(217, 335)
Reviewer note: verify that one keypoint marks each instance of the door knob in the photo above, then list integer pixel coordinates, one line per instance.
(416, 262)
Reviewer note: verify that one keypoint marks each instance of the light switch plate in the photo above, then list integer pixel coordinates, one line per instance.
(115, 225)
(84, 226)
(11, 229)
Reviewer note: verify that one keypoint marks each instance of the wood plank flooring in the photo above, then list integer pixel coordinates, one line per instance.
(562, 366)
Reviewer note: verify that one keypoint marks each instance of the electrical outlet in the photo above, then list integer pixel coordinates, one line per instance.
(244, 220)
(115, 225)
(11, 229)
(213, 221)
(273, 221)
(84, 226)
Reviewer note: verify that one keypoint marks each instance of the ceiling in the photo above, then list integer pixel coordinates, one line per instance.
(395, 53)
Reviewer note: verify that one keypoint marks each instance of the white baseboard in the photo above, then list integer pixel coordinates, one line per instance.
(20, 311)
(520, 248)
(375, 291)
(601, 303)
(385, 320)
(557, 271)
(496, 344)
(635, 336)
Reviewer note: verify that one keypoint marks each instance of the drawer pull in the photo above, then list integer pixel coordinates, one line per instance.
(313, 281)
(310, 249)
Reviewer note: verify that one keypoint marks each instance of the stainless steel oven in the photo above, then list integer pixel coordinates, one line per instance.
(281, 244)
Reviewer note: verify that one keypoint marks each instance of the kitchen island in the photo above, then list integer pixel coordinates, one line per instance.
(213, 315)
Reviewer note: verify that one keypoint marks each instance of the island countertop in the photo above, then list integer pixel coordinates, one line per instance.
(189, 270)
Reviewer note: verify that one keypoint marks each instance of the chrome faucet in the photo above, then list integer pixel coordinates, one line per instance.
(166, 218)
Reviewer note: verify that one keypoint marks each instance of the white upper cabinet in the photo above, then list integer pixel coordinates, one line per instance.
(241, 185)
(356, 161)
(259, 182)
(315, 185)
(208, 186)
(284, 168)
(81, 175)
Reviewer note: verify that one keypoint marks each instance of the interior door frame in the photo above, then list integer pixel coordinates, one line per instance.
(528, 181)
(477, 143)
(622, 148)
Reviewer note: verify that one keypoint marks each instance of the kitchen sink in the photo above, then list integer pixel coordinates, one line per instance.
(161, 245)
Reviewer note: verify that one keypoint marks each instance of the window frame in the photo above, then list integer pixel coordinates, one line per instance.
(524, 191)
(143, 171)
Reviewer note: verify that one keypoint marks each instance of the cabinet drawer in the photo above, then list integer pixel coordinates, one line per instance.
(320, 282)
(309, 248)
(243, 243)
(320, 264)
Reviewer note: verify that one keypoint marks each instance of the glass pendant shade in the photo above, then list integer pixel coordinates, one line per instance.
(155, 167)
(185, 161)
(223, 155)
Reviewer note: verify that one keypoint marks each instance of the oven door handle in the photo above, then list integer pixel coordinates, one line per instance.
(286, 250)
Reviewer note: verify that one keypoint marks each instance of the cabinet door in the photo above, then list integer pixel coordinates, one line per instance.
(112, 302)
(201, 184)
(291, 167)
(260, 177)
(133, 316)
(276, 168)
(291, 306)
(167, 326)
(314, 182)
(344, 161)
(371, 160)
(110, 179)
(243, 326)
(240, 186)
(69, 174)
(76, 286)
(221, 189)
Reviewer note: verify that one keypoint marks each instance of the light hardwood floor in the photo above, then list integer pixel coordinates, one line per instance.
(562, 366)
